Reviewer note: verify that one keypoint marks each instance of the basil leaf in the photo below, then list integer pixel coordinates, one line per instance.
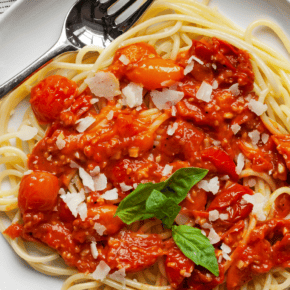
(196, 247)
(133, 207)
(162, 207)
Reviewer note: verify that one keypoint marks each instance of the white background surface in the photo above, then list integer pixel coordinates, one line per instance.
(30, 27)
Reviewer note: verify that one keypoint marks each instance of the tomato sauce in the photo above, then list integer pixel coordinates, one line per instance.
(127, 150)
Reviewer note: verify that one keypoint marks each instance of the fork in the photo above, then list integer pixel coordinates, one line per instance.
(88, 22)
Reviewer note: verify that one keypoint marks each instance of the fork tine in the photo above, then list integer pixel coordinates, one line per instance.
(121, 9)
(104, 6)
(132, 19)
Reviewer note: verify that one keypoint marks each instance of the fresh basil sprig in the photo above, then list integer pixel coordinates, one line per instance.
(133, 207)
(195, 246)
(162, 207)
(161, 200)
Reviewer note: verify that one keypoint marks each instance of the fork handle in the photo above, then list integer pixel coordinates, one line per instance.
(58, 48)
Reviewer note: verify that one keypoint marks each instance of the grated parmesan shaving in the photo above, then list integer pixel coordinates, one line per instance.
(94, 250)
(166, 98)
(173, 111)
(124, 59)
(27, 133)
(60, 142)
(204, 92)
(172, 128)
(215, 84)
(94, 100)
(73, 200)
(87, 179)
(110, 194)
(234, 89)
(224, 216)
(82, 211)
(240, 163)
(100, 229)
(104, 84)
(100, 182)
(167, 170)
(213, 185)
(258, 201)
(193, 57)
(188, 68)
(257, 107)
(125, 187)
(95, 171)
(213, 215)
(84, 124)
(255, 136)
(101, 271)
(235, 128)
(133, 95)
(213, 236)
(265, 138)
(110, 115)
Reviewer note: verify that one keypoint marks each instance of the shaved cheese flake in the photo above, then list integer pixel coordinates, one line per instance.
(27, 133)
(206, 226)
(61, 191)
(60, 142)
(84, 124)
(172, 128)
(100, 229)
(119, 276)
(94, 100)
(101, 271)
(167, 170)
(193, 57)
(225, 251)
(87, 179)
(110, 194)
(100, 182)
(265, 138)
(135, 185)
(124, 59)
(234, 89)
(125, 187)
(73, 200)
(73, 164)
(213, 185)
(213, 215)
(235, 128)
(258, 201)
(104, 84)
(82, 211)
(213, 237)
(215, 84)
(214, 66)
(188, 68)
(255, 136)
(110, 115)
(224, 216)
(173, 111)
(204, 92)
(257, 107)
(181, 219)
(240, 163)
(166, 99)
(133, 95)
(95, 171)
(94, 250)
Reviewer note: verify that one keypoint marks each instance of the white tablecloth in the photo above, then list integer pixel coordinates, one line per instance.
(5, 4)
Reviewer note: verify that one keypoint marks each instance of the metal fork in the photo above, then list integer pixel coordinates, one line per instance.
(89, 22)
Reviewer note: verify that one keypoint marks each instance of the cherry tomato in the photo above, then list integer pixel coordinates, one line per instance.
(177, 266)
(107, 219)
(155, 73)
(38, 191)
(222, 161)
(50, 96)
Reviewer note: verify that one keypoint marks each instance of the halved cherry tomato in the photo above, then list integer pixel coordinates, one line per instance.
(155, 73)
(38, 191)
(221, 160)
(50, 96)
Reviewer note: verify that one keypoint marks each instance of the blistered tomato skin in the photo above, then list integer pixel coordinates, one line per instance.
(50, 96)
(38, 192)
(156, 73)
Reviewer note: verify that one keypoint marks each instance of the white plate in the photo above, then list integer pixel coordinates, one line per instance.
(29, 28)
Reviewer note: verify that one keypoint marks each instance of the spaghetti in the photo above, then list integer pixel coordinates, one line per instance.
(202, 68)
